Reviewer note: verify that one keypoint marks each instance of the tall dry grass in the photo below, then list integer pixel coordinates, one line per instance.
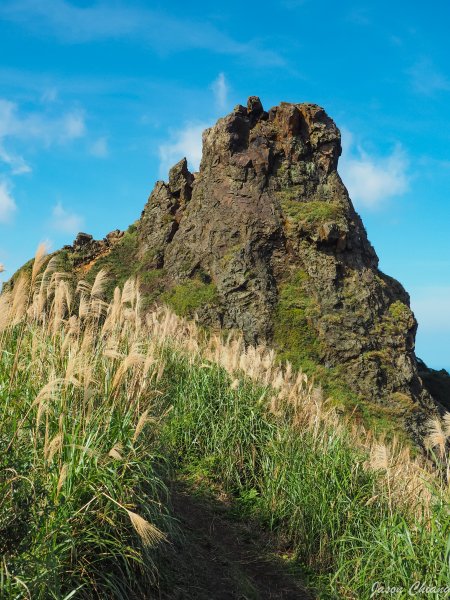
(93, 395)
(83, 503)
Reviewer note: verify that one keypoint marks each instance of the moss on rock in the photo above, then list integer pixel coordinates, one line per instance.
(294, 334)
(122, 262)
(399, 311)
(186, 298)
(312, 212)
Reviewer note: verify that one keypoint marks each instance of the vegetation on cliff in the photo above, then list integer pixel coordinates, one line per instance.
(265, 240)
(102, 407)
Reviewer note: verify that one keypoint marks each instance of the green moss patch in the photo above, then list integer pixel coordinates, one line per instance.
(296, 340)
(186, 298)
(294, 334)
(313, 212)
(399, 311)
(396, 320)
(291, 194)
(122, 263)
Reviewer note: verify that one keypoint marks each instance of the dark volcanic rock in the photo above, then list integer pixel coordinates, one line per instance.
(85, 249)
(436, 382)
(264, 239)
(82, 240)
(163, 212)
(269, 222)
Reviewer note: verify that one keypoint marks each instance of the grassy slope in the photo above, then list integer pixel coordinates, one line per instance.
(93, 426)
(308, 487)
(295, 338)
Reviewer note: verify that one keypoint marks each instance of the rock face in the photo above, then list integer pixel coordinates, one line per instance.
(85, 249)
(268, 222)
(264, 239)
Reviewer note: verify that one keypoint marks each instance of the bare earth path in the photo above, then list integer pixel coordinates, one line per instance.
(222, 559)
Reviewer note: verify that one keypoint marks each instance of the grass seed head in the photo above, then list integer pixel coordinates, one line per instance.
(39, 259)
(150, 535)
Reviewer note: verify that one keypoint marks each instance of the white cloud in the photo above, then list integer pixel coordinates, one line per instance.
(371, 180)
(18, 128)
(65, 221)
(426, 79)
(47, 128)
(186, 142)
(7, 203)
(359, 16)
(99, 148)
(111, 20)
(220, 91)
(16, 163)
(73, 126)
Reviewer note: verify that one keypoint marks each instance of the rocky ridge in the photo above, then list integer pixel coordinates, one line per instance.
(264, 239)
(86, 250)
(268, 220)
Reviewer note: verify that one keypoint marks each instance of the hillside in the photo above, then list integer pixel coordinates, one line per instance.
(222, 401)
(141, 458)
(264, 240)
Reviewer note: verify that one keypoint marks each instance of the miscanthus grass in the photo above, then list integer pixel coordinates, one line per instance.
(101, 404)
(83, 505)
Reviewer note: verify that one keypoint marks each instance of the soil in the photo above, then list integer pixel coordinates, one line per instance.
(222, 558)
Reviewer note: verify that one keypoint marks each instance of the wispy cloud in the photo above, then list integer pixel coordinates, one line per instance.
(7, 203)
(16, 163)
(185, 142)
(426, 79)
(359, 16)
(48, 128)
(49, 95)
(99, 148)
(105, 20)
(72, 126)
(65, 221)
(371, 180)
(18, 128)
(72, 23)
(220, 90)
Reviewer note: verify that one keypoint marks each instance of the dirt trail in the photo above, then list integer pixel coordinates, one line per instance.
(222, 559)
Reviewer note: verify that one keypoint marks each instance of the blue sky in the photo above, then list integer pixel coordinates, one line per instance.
(98, 99)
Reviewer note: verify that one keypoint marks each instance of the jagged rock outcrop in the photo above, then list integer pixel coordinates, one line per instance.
(86, 250)
(269, 222)
(265, 239)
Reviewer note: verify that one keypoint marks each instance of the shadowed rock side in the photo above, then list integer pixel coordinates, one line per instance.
(269, 222)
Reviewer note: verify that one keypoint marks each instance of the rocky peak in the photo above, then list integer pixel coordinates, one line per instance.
(82, 240)
(265, 240)
(180, 182)
(269, 223)
(85, 249)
